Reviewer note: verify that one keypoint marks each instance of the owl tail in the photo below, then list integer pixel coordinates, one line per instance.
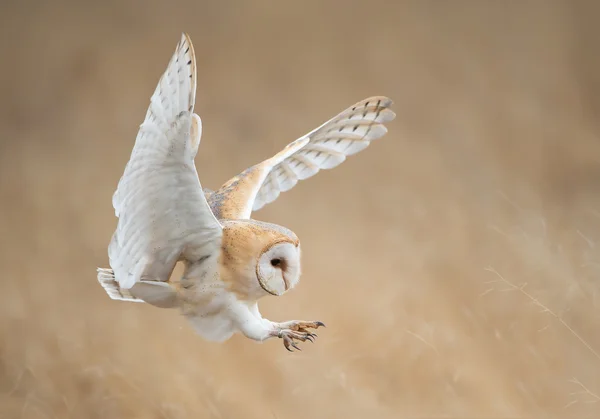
(106, 277)
(156, 293)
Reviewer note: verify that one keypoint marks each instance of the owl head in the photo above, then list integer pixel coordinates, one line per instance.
(259, 259)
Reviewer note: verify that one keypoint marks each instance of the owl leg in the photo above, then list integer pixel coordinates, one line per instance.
(250, 322)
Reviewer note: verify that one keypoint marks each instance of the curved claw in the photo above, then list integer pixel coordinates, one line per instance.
(286, 343)
(293, 331)
(288, 340)
(313, 335)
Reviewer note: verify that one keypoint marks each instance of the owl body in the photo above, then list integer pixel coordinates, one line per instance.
(207, 307)
(231, 260)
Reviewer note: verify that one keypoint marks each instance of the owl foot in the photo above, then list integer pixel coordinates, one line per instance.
(297, 330)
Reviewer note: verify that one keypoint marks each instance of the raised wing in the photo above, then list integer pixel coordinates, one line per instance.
(325, 147)
(163, 214)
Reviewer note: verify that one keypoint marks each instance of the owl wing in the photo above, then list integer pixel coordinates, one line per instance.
(327, 146)
(163, 213)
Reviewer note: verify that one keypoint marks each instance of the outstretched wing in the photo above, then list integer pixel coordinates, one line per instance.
(325, 147)
(163, 214)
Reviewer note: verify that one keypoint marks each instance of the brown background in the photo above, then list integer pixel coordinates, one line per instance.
(490, 171)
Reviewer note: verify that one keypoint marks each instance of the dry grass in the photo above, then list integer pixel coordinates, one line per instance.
(455, 262)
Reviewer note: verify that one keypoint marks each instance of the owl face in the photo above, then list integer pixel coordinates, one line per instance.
(259, 259)
(278, 267)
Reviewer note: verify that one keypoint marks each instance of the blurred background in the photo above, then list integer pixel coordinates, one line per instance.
(455, 261)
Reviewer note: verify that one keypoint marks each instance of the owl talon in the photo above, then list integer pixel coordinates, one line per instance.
(288, 341)
(312, 335)
(289, 336)
(297, 330)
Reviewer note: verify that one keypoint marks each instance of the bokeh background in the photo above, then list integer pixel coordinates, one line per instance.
(455, 261)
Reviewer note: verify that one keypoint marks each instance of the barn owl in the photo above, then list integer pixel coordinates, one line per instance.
(230, 260)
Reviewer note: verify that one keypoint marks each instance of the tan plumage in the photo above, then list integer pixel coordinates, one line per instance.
(231, 261)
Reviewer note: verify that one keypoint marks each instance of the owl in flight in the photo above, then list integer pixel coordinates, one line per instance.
(231, 261)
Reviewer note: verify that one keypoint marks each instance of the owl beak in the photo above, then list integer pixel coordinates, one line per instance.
(286, 284)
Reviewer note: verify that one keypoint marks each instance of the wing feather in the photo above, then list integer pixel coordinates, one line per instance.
(163, 213)
(324, 148)
(348, 133)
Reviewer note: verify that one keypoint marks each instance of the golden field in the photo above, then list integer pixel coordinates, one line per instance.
(455, 261)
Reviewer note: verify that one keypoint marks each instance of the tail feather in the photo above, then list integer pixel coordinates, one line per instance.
(106, 278)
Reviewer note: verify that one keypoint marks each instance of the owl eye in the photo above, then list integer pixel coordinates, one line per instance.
(276, 262)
